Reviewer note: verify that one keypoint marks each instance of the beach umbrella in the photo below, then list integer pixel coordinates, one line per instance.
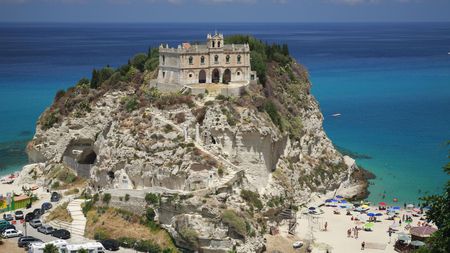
(424, 231)
(378, 214)
(417, 210)
(339, 197)
(312, 208)
(371, 214)
(327, 200)
(417, 243)
(334, 200)
(364, 206)
(369, 225)
(396, 208)
(410, 206)
(408, 221)
(344, 201)
(382, 204)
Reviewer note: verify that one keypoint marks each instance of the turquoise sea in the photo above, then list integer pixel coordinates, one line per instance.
(390, 82)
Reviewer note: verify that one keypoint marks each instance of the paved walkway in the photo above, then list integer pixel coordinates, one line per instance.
(78, 225)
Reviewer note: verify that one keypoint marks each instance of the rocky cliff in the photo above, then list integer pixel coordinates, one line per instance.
(221, 165)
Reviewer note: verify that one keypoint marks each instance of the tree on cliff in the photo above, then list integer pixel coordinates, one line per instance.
(439, 242)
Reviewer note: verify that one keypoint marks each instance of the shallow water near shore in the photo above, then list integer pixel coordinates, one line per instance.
(389, 82)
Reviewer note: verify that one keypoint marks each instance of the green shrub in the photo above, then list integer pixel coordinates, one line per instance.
(138, 61)
(271, 110)
(252, 198)
(55, 185)
(59, 94)
(49, 118)
(233, 220)
(152, 198)
(127, 197)
(106, 198)
(131, 103)
(189, 235)
(51, 248)
(101, 234)
(99, 76)
(150, 214)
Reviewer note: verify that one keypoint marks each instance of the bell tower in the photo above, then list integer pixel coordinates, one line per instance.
(215, 41)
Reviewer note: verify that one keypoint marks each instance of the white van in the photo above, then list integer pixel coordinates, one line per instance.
(64, 247)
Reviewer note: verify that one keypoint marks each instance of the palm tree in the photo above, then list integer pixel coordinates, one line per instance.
(50, 248)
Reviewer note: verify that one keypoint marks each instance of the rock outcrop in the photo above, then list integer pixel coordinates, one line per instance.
(199, 154)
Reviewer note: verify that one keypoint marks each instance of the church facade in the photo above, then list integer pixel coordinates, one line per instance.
(213, 62)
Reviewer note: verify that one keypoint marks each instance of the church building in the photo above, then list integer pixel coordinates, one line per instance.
(213, 62)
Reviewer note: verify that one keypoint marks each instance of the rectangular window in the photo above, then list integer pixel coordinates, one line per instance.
(164, 74)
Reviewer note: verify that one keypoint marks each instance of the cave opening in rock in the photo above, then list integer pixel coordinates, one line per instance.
(88, 157)
(111, 175)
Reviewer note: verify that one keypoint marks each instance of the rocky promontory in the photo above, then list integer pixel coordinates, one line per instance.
(220, 167)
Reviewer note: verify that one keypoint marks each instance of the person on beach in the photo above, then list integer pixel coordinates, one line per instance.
(326, 225)
(390, 234)
(349, 232)
(363, 245)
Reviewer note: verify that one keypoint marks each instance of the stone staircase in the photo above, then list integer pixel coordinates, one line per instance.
(78, 224)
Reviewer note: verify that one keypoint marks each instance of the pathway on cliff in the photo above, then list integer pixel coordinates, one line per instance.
(234, 170)
(78, 224)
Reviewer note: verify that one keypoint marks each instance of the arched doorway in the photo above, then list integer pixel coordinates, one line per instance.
(226, 79)
(215, 76)
(202, 76)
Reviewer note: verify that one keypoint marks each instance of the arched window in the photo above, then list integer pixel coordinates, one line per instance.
(213, 44)
(163, 60)
(216, 59)
(228, 59)
(218, 44)
(239, 58)
(202, 60)
(191, 60)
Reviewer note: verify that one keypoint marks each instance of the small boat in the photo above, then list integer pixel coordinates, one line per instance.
(336, 114)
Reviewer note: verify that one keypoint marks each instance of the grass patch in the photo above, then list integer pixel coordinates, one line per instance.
(60, 213)
(121, 224)
(252, 199)
(234, 221)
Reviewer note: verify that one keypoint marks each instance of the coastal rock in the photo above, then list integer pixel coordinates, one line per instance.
(261, 152)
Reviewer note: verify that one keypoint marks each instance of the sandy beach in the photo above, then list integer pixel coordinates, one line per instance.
(335, 238)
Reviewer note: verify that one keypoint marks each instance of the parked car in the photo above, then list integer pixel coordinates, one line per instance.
(297, 244)
(38, 212)
(46, 229)
(55, 197)
(18, 215)
(61, 234)
(9, 226)
(8, 217)
(9, 233)
(35, 223)
(25, 240)
(110, 244)
(46, 206)
(29, 217)
(3, 224)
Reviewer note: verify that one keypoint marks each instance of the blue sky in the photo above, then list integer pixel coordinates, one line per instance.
(216, 11)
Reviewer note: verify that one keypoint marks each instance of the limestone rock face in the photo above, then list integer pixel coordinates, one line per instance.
(199, 158)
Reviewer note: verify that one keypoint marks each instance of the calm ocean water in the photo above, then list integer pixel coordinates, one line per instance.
(390, 82)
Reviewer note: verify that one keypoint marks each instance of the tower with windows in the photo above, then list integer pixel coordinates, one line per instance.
(210, 63)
